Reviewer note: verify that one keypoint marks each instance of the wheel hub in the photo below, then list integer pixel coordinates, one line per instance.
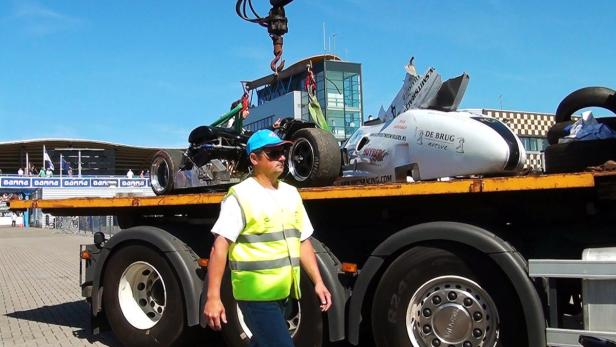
(159, 175)
(452, 311)
(142, 295)
(301, 159)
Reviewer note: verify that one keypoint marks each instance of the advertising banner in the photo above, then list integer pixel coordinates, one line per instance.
(56, 182)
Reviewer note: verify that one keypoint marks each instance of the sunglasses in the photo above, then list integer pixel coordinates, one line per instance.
(275, 154)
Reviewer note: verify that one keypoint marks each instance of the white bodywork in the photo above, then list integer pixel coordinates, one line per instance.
(412, 140)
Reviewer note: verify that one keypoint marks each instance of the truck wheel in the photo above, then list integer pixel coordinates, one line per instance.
(304, 317)
(585, 97)
(142, 298)
(314, 158)
(434, 297)
(577, 100)
(165, 163)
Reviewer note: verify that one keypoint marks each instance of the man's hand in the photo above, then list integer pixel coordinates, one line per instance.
(214, 312)
(324, 296)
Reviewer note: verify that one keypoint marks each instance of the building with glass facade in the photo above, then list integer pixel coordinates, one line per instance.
(339, 91)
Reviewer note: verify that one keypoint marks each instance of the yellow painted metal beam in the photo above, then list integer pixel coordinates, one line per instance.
(167, 200)
(462, 186)
(500, 184)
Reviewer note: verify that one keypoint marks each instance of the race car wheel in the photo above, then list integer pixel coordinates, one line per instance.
(162, 171)
(438, 297)
(314, 158)
(304, 317)
(142, 298)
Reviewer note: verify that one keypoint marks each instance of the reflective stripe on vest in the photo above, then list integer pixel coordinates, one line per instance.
(264, 260)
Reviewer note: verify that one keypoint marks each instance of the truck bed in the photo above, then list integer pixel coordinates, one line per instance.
(182, 202)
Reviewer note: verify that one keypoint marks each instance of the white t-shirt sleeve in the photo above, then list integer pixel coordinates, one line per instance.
(307, 228)
(230, 222)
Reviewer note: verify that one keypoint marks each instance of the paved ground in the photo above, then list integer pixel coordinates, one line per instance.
(40, 298)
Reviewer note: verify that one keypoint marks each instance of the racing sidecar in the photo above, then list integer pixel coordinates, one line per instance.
(216, 158)
(422, 136)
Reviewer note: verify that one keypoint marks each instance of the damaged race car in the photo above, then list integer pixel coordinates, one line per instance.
(422, 136)
(216, 157)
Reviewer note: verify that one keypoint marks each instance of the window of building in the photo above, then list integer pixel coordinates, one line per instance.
(352, 93)
(260, 124)
(534, 144)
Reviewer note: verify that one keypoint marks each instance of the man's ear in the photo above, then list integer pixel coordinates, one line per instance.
(253, 158)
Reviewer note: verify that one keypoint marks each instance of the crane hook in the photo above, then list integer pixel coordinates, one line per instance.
(277, 60)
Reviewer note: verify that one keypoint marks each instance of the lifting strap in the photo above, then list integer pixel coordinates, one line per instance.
(314, 108)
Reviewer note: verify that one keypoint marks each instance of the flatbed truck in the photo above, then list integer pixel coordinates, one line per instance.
(505, 261)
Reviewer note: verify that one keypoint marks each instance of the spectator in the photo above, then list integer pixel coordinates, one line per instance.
(147, 173)
(20, 172)
(70, 172)
(42, 173)
(141, 174)
(130, 173)
(48, 173)
(13, 219)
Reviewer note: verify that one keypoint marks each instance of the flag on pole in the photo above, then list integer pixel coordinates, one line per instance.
(27, 170)
(46, 158)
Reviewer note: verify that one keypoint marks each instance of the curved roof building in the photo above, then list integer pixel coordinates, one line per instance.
(96, 157)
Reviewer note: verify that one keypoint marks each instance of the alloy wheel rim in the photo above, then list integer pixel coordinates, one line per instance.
(452, 311)
(142, 295)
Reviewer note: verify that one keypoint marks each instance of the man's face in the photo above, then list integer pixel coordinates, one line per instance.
(269, 160)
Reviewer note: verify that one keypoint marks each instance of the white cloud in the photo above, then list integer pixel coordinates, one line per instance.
(38, 20)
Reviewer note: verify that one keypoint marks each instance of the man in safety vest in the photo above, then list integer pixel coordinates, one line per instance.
(264, 230)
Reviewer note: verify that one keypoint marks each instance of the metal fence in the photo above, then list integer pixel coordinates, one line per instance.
(86, 224)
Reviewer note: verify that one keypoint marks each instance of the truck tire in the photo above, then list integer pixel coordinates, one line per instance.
(578, 155)
(438, 297)
(165, 163)
(585, 97)
(577, 100)
(142, 298)
(314, 158)
(304, 317)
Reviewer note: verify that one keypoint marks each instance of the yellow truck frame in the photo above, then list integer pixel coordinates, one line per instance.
(504, 256)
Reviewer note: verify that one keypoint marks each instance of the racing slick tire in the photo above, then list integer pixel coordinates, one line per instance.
(314, 158)
(165, 163)
(304, 317)
(142, 298)
(432, 296)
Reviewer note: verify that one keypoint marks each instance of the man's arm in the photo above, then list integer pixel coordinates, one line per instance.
(309, 263)
(213, 309)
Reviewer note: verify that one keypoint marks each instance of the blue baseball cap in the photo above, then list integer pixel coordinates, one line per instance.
(264, 138)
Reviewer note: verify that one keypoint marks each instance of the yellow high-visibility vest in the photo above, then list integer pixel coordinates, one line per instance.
(264, 260)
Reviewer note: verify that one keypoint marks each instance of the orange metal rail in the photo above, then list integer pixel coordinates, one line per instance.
(458, 186)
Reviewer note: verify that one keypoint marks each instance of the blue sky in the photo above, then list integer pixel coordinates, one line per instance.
(147, 72)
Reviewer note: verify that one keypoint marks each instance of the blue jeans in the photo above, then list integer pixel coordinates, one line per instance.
(267, 322)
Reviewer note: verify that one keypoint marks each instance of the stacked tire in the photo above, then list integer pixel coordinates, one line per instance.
(578, 155)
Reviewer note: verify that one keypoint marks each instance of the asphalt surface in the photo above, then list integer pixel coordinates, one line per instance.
(40, 297)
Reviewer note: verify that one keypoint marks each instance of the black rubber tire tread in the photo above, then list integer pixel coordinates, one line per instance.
(199, 134)
(413, 268)
(585, 97)
(170, 328)
(578, 155)
(173, 160)
(310, 331)
(327, 158)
